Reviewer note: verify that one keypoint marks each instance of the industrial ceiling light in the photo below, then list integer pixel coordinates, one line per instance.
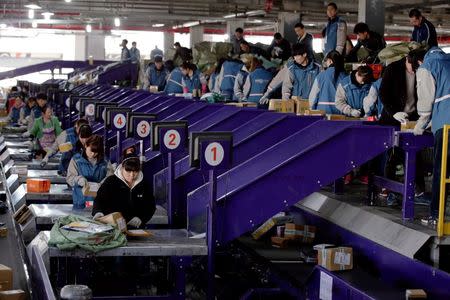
(67, 1)
(191, 24)
(31, 14)
(33, 5)
(158, 25)
(116, 21)
(47, 15)
(88, 28)
(34, 24)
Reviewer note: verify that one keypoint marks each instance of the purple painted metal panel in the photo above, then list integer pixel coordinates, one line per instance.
(125, 71)
(391, 185)
(392, 267)
(50, 65)
(289, 171)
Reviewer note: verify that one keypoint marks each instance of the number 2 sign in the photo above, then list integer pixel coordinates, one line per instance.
(170, 136)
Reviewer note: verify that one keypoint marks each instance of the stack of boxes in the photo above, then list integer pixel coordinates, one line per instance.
(6, 285)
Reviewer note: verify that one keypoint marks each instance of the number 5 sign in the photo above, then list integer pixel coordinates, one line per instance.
(169, 136)
(211, 150)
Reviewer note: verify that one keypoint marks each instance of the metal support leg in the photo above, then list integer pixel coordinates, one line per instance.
(338, 186)
(409, 184)
(180, 263)
(211, 233)
(170, 185)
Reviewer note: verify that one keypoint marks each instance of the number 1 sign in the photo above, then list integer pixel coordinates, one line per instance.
(211, 150)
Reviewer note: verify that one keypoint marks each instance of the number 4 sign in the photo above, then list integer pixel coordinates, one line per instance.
(211, 150)
(169, 136)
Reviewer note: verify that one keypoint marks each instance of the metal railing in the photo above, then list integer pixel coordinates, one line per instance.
(443, 227)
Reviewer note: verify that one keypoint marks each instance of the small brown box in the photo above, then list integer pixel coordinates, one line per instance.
(91, 189)
(334, 258)
(301, 106)
(415, 294)
(408, 126)
(6, 278)
(115, 219)
(279, 242)
(284, 106)
(3, 232)
(312, 112)
(303, 233)
(13, 295)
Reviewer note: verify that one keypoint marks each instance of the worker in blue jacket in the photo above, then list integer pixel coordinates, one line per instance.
(301, 74)
(90, 166)
(173, 84)
(193, 81)
(257, 81)
(433, 106)
(323, 91)
(335, 33)
(241, 77)
(156, 75)
(352, 90)
(14, 113)
(372, 102)
(227, 77)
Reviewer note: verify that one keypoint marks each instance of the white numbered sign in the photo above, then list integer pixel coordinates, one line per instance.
(120, 121)
(90, 110)
(77, 106)
(214, 154)
(172, 139)
(143, 129)
(68, 102)
(104, 115)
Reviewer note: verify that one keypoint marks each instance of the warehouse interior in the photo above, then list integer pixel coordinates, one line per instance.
(223, 149)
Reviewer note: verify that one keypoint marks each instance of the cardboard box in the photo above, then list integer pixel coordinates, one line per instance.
(334, 258)
(408, 126)
(3, 232)
(138, 233)
(35, 185)
(284, 106)
(415, 294)
(301, 105)
(243, 104)
(278, 219)
(22, 215)
(91, 189)
(279, 242)
(115, 219)
(336, 117)
(304, 233)
(312, 112)
(153, 89)
(13, 295)
(65, 147)
(6, 278)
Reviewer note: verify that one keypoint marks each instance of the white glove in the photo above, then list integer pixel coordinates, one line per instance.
(26, 134)
(135, 222)
(418, 129)
(97, 216)
(402, 117)
(81, 181)
(356, 113)
(263, 101)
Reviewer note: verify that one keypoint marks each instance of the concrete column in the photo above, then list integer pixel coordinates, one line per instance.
(169, 40)
(371, 12)
(95, 45)
(90, 44)
(80, 47)
(286, 25)
(196, 35)
(231, 27)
